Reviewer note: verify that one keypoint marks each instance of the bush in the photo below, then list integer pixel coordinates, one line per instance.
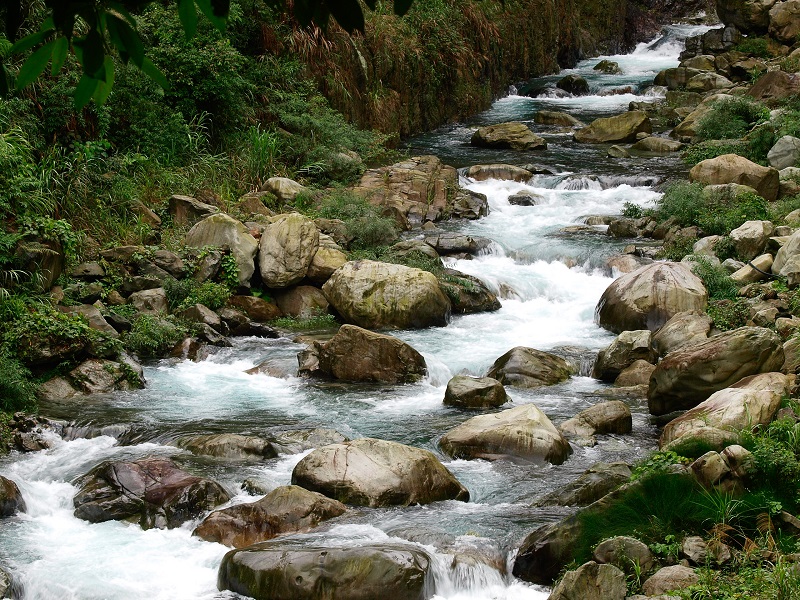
(188, 292)
(701, 151)
(366, 227)
(728, 314)
(719, 284)
(154, 337)
(17, 390)
(754, 46)
(731, 119)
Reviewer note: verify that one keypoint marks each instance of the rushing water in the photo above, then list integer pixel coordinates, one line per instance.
(549, 283)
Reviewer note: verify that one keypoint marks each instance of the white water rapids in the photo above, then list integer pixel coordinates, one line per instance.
(546, 304)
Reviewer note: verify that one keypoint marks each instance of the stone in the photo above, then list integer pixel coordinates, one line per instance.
(650, 296)
(683, 329)
(591, 581)
(546, 550)
(688, 127)
(746, 404)
(376, 473)
(300, 440)
(512, 135)
(628, 347)
(620, 128)
(100, 376)
(358, 355)
(446, 243)
(657, 145)
(374, 295)
(150, 491)
(302, 302)
(283, 188)
(559, 119)
(230, 446)
(286, 509)
(287, 246)
(668, 579)
(56, 389)
(523, 433)
(574, 84)
(731, 168)
(187, 211)
(706, 82)
(467, 294)
(608, 66)
(750, 239)
(169, 262)
(694, 549)
(498, 171)
(748, 16)
(11, 501)
(638, 373)
(255, 308)
(324, 263)
(613, 416)
(594, 483)
(151, 302)
(623, 263)
(784, 21)
(775, 85)
(785, 152)
(675, 78)
(686, 377)
(756, 270)
(701, 62)
(199, 313)
(92, 270)
(529, 368)
(224, 231)
(474, 392)
(470, 205)
(624, 552)
(296, 570)
(525, 198)
(618, 152)
(93, 316)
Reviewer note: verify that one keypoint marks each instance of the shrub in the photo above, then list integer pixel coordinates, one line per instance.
(728, 314)
(154, 337)
(719, 284)
(754, 46)
(365, 225)
(731, 119)
(17, 391)
(701, 151)
(188, 292)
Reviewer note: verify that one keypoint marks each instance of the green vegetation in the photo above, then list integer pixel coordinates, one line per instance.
(366, 227)
(716, 279)
(754, 46)
(153, 337)
(312, 323)
(729, 314)
(731, 119)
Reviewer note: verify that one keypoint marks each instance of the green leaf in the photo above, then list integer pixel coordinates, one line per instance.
(28, 42)
(347, 14)
(84, 91)
(210, 7)
(93, 53)
(153, 72)
(401, 6)
(59, 54)
(126, 39)
(188, 15)
(116, 9)
(102, 91)
(34, 66)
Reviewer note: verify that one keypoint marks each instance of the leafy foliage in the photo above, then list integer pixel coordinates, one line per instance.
(154, 337)
(731, 119)
(716, 279)
(17, 391)
(728, 314)
(366, 227)
(188, 292)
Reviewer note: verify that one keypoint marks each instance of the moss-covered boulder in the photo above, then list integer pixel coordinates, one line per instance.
(620, 128)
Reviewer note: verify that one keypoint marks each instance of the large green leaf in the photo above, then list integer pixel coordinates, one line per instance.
(59, 54)
(103, 89)
(33, 67)
(188, 15)
(29, 41)
(348, 14)
(84, 91)
(154, 73)
(126, 39)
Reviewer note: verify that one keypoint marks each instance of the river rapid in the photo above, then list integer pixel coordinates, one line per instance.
(549, 283)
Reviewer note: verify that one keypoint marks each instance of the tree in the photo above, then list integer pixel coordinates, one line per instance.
(96, 30)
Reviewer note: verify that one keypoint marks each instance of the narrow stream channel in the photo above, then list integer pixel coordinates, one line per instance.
(547, 305)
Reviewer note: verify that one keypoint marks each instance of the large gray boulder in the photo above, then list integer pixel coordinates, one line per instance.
(626, 553)
(370, 472)
(512, 135)
(594, 483)
(786, 151)
(302, 302)
(99, 376)
(732, 168)
(151, 491)
(620, 128)
(686, 377)
(629, 347)
(748, 403)
(287, 509)
(522, 433)
(288, 245)
(749, 16)
(296, 570)
(227, 445)
(784, 21)
(355, 354)
(591, 581)
(529, 368)
(683, 329)
(11, 501)
(751, 237)
(377, 295)
(474, 392)
(650, 296)
(226, 232)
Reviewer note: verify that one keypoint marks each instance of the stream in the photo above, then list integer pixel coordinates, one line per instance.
(546, 304)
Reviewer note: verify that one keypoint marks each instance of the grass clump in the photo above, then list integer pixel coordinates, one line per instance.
(316, 322)
(366, 227)
(184, 293)
(728, 314)
(17, 390)
(719, 284)
(153, 337)
(701, 151)
(731, 119)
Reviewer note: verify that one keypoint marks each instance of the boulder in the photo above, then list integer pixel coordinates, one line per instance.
(447, 242)
(629, 347)
(474, 392)
(92, 314)
(732, 168)
(608, 66)
(513, 135)
(224, 231)
(683, 329)
(100, 376)
(650, 296)
(775, 85)
(613, 416)
(591, 581)
(616, 151)
(706, 82)
(56, 389)
(151, 491)
(784, 21)
(657, 145)
(11, 501)
(626, 553)
(283, 188)
(151, 302)
(287, 509)
(637, 374)
(228, 446)
(688, 127)
(756, 270)
(560, 119)
(359, 355)
(620, 128)
(376, 473)
(201, 314)
(467, 294)
(668, 579)
(688, 376)
(748, 16)
(748, 403)
(91, 271)
(594, 483)
(324, 263)
(522, 433)
(750, 239)
(785, 152)
(187, 211)
(297, 570)
(675, 78)
(574, 84)
(300, 440)
(287, 246)
(373, 294)
(255, 308)
(302, 302)
(701, 62)
(529, 368)
(546, 550)
(498, 171)
(525, 198)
